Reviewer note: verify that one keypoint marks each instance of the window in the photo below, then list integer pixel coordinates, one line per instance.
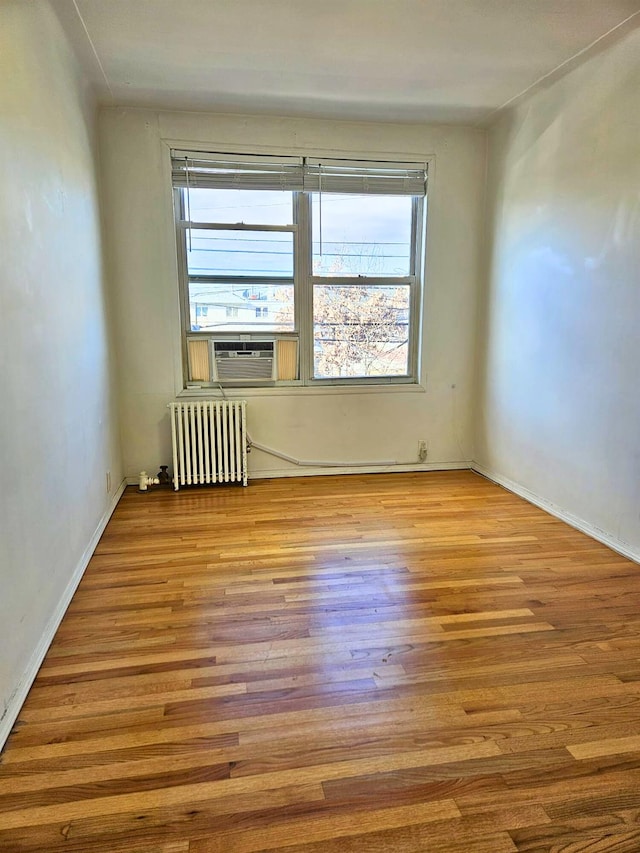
(321, 258)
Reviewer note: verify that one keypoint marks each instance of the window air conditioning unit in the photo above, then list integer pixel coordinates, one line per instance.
(248, 361)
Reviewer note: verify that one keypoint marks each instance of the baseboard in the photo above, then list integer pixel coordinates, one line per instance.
(315, 471)
(580, 524)
(18, 696)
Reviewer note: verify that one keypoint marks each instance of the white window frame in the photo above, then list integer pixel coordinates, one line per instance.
(304, 282)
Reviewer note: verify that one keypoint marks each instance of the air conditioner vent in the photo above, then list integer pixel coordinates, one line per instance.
(244, 346)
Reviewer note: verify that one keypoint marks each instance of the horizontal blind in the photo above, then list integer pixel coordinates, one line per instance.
(357, 176)
(227, 171)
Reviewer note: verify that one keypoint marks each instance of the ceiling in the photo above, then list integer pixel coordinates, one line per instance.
(444, 61)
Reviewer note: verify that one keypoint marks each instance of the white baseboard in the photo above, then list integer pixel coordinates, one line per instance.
(314, 471)
(18, 696)
(573, 520)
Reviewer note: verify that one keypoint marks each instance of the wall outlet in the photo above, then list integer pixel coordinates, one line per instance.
(422, 450)
(108, 479)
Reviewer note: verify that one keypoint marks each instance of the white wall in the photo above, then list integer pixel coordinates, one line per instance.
(58, 433)
(367, 425)
(559, 400)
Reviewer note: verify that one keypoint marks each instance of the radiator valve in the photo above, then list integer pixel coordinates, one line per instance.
(163, 476)
(146, 481)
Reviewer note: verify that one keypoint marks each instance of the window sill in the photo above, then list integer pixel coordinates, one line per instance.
(301, 391)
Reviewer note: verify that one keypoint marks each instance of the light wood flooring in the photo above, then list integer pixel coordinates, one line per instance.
(404, 663)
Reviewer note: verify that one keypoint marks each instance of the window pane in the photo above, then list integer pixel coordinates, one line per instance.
(250, 253)
(241, 307)
(361, 330)
(252, 207)
(362, 235)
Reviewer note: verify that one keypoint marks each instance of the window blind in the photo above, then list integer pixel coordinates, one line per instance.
(357, 176)
(228, 172)
(225, 171)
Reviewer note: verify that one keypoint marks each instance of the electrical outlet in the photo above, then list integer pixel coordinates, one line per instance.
(108, 479)
(422, 450)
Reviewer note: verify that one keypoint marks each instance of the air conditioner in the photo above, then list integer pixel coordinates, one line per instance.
(249, 361)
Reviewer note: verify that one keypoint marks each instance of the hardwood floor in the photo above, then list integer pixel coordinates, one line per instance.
(415, 662)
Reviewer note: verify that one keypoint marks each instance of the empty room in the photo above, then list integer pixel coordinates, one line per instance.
(320, 442)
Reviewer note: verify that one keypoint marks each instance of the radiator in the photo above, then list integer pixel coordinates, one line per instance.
(209, 442)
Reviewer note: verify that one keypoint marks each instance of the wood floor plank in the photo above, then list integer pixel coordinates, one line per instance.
(356, 664)
(327, 828)
(404, 841)
(606, 746)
